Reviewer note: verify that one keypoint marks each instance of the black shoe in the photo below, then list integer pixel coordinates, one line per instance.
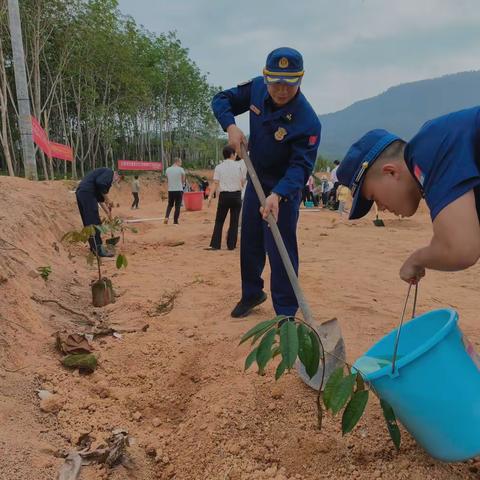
(211, 248)
(243, 308)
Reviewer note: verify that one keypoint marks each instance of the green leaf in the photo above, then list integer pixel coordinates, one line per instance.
(264, 352)
(280, 370)
(313, 367)
(392, 425)
(122, 261)
(252, 356)
(342, 393)
(354, 411)
(260, 328)
(331, 385)
(289, 343)
(134, 230)
(308, 350)
(304, 345)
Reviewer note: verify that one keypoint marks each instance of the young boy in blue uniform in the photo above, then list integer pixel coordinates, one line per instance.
(441, 164)
(283, 144)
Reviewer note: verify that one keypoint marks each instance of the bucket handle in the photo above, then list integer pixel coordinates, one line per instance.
(399, 330)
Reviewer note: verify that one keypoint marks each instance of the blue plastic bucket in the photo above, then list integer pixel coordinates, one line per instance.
(435, 389)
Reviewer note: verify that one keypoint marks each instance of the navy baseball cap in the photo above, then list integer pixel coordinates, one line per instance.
(284, 65)
(353, 168)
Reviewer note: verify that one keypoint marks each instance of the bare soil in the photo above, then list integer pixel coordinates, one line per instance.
(176, 381)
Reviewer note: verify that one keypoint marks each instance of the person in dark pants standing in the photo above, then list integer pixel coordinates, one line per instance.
(283, 144)
(92, 191)
(176, 180)
(229, 177)
(135, 192)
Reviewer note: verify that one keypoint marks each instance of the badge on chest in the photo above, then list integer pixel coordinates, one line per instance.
(280, 134)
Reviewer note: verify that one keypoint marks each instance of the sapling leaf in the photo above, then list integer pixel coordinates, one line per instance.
(251, 358)
(121, 261)
(313, 367)
(134, 230)
(354, 410)
(280, 370)
(392, 425)
(289, 343)
(342, 393)
(331, 385)
(261, 327)
(304, 345)
(264, 352)
(308, 350)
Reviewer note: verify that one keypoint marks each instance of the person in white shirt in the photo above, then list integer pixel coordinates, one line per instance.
(176, 179)
(229, 176)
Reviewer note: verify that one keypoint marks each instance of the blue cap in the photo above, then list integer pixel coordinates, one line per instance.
(353, 168)
(284, 65)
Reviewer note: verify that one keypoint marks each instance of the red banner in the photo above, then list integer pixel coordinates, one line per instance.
(63, 152)
(40, 137)
(137, 165)
(51, 149)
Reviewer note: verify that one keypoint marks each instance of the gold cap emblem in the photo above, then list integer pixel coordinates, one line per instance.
(283, 63)
(280, 134)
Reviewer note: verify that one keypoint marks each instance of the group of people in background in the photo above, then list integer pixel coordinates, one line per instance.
(322, 192)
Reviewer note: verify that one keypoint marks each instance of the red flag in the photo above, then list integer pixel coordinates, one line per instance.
(63, 152)
(40, 137)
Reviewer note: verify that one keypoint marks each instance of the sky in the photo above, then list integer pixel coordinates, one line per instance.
(352, 49)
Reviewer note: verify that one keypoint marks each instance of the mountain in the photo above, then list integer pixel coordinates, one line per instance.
(401, 109)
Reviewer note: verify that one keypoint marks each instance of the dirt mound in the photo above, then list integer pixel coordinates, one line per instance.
(174, 379)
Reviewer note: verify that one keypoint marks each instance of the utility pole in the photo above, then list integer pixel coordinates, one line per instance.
(24, 119)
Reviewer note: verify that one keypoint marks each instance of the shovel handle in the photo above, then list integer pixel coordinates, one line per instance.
(287, 263)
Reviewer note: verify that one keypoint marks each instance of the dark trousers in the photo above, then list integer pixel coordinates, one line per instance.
(135, 200)
(227, 202)
(174, 198)
(88, 208)
(257, 241)
(333, 195)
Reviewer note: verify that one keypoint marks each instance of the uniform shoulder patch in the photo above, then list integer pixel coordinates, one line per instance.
(312, 140)
(245, 83)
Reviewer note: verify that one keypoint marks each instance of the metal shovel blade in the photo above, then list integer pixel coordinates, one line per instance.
(334, 346)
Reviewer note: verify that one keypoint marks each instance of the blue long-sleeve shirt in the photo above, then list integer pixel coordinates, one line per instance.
(97, 182)
(283, 141)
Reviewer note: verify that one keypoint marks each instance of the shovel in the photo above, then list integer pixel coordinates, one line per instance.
(329, 332)
(378, 222)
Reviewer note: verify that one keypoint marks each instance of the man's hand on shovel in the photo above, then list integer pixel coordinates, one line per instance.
(271, 206)
(236, 138)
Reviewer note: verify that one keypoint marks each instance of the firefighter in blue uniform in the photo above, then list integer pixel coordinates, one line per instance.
(283, 144)
(92, 191)
(441, 164)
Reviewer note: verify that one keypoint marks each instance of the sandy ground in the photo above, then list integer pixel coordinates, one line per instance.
(179, 387)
